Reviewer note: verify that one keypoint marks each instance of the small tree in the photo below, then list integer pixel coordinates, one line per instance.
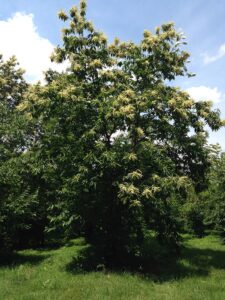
(12, 144)
(120, 147)
(214, 198)
(21, 210)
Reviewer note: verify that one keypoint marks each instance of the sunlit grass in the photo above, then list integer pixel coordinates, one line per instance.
(44, 274)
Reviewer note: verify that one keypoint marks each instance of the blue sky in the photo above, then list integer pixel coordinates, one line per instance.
(30, 29)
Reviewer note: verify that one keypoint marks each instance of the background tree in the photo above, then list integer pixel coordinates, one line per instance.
(18, 200)
(214, 197)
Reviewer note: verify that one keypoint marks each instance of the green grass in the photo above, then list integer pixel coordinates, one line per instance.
(47, 274)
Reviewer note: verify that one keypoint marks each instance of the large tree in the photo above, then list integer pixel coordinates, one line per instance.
(119, 147)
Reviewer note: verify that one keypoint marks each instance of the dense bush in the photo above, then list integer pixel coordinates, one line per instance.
(214, 198)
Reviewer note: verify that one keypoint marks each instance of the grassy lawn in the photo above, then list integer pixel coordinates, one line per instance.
(47, 274)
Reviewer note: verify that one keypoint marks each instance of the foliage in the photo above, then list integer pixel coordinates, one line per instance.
(108, 148)
(215, 195)
(193, 217)
(18, 199)
(118, 149)
(12, 87)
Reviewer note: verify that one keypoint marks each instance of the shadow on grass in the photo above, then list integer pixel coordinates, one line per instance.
(15, 259)
(193, 262)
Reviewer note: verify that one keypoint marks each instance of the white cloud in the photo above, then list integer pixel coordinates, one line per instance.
(220, 54)
(20, 37)
(202, 92)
